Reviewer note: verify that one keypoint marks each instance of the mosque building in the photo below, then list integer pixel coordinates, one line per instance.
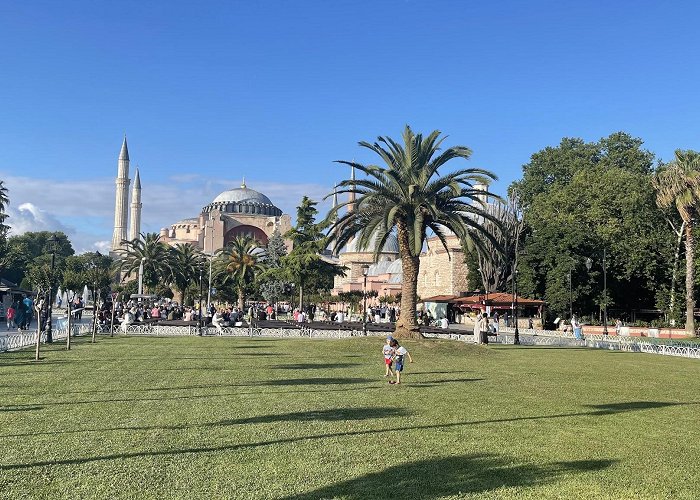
(442, 272)
(235, 212)
(244, 211)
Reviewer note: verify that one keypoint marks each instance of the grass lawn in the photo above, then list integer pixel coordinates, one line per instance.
(304, 419)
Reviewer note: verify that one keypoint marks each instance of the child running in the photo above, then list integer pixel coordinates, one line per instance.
(388, 352)
(399, 353)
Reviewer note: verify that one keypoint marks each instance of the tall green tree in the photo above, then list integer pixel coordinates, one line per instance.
(239, 262)
(580, 199)
(33, 249)
(678, 184)
(305, 266)
(276, 249)
(155, 256)
(409, 195)
(185, 264)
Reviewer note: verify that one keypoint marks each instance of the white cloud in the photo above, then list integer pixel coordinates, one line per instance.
(29, 217)
(84, 209)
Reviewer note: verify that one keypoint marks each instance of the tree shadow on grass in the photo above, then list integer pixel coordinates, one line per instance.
(613, 408)
(433, 383)
(449, 476)
(314, 366)
(332, 415)
(318, 381)
(562, 467)
(21, 408)
(207, 396)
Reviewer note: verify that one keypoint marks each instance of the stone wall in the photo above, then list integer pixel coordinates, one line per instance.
(442, 273)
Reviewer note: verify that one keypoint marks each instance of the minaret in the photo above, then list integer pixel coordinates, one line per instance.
(135, 216)
(121, 205)
(351, 195)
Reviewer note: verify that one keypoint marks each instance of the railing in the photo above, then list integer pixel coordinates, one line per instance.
(18, 340)
(610, 342)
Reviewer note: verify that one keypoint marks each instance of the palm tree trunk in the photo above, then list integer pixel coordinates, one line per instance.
(406, 326)
(672, 304)
(241, 298)
(689, 281)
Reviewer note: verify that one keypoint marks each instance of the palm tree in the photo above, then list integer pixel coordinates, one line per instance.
(154, 255)
(4, 201)
(239, 262)
(408, 196)
(678, 183)
(185, 264)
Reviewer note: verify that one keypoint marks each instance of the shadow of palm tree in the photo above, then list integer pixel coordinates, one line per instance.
(612, 408)
(331, 415)
(314, 366)
(442, 477)
(318, 381)
(22, 408)
(433, 383)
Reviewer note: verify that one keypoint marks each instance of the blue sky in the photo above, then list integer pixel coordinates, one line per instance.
(209, 92)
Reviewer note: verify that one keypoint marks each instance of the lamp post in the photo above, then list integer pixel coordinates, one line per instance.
(49, 334)
(210, 224)
(201, 293)
(143, 259)
(95, 298)
(571, 293)
(589, 264)
(516, 341)
(365, 272)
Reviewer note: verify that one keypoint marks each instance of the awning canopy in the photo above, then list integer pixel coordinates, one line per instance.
(496, 299)
(9, 287)
(440, 298)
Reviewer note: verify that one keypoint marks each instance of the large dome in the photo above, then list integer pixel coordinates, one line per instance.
(244, 201)
(242, 194)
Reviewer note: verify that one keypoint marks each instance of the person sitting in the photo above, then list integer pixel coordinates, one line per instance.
(217, 320)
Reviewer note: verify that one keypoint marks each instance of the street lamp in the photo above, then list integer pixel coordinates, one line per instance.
(49, 334)
(210, 224)
(571, 292)
(201, 293)
(365, 272)
(589, 264)
(143, 259)
(95, 299)
(516, 341)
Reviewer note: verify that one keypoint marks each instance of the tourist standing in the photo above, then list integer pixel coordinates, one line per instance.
(477, 329)
(399, 357)
(388, 352)
(217, 321)
(10, 316)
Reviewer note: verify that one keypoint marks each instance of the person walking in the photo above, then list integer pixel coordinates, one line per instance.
(400, 353)
(10, 316)
(217, 320)
(388, 353)
(477, 329)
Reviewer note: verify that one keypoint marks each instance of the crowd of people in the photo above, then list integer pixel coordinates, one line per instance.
(20, 313)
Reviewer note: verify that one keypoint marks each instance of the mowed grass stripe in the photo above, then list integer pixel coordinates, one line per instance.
(271, 418)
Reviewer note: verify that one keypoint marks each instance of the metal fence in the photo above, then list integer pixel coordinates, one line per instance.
(18, 340)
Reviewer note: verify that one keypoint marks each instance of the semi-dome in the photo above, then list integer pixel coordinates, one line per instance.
(243, 200)
(391, 245)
